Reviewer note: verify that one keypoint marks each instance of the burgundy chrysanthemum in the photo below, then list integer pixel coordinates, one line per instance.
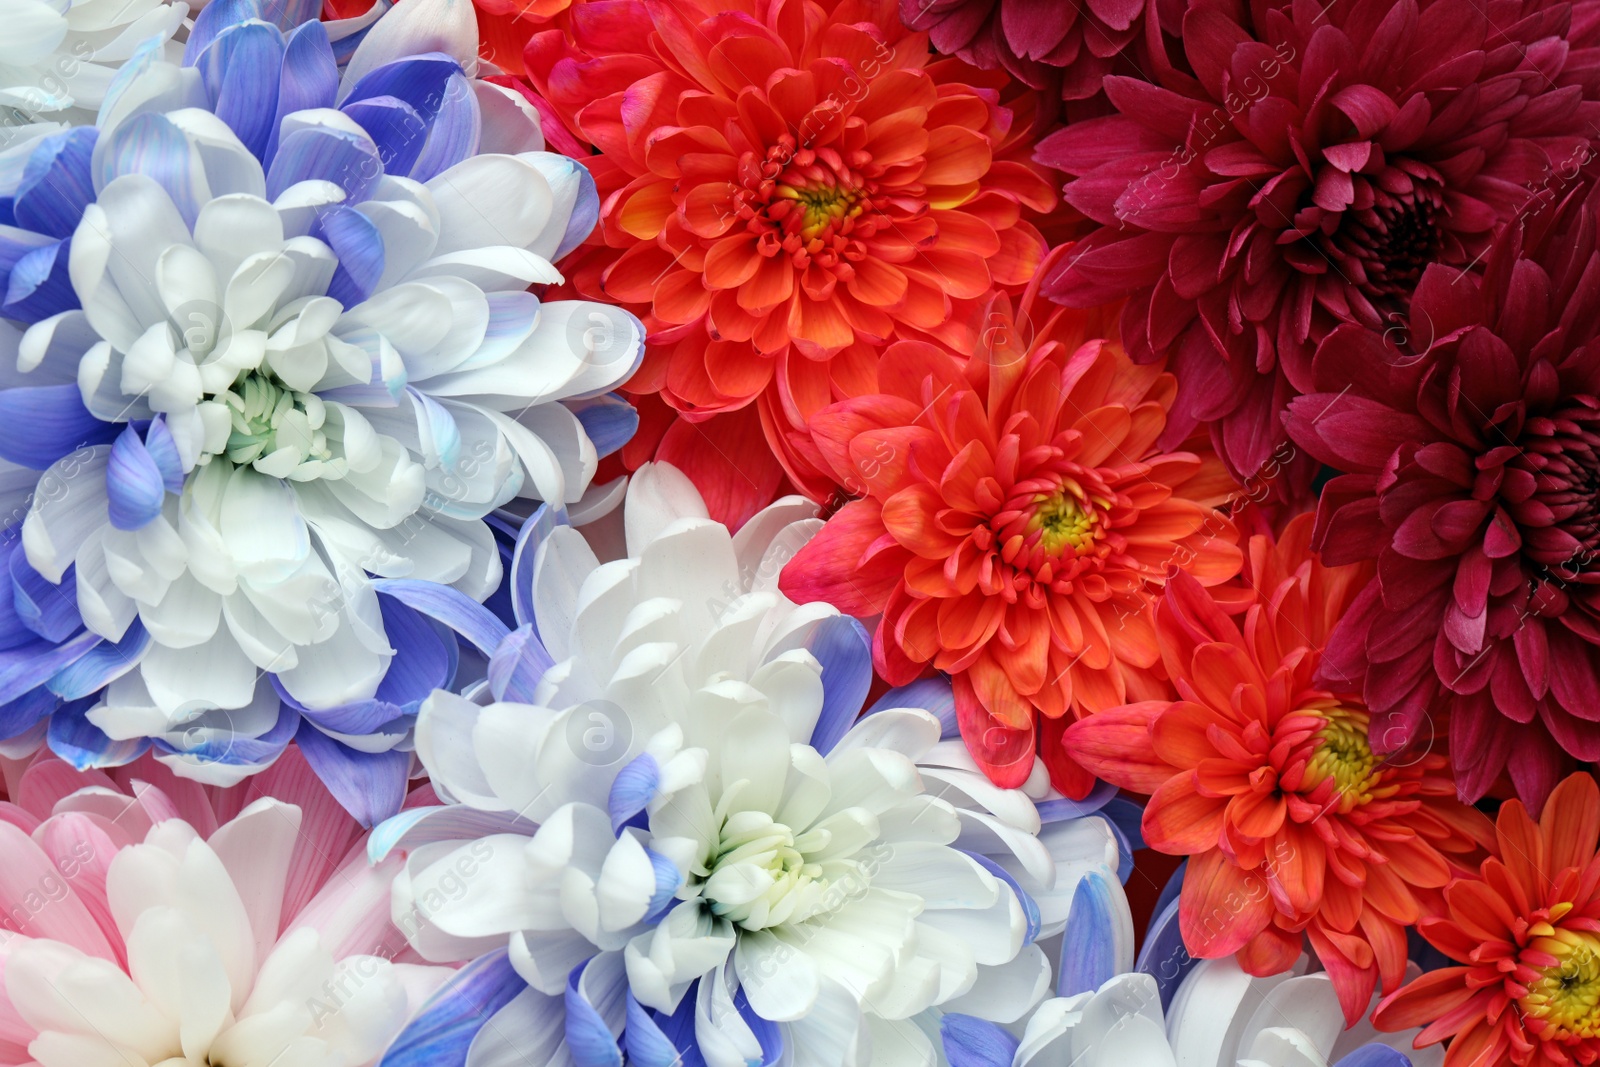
(1322, 155)
(1044, 43)
(1474, 460)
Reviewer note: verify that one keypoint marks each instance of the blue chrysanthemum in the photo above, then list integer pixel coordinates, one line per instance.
(278, 363)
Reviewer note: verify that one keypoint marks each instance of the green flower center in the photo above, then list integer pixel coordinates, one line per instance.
(1062, 521)
(1566, 997)
(270, 420)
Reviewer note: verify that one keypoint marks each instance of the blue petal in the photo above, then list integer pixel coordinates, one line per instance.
(422, 661)
(81, 743)
(394, 126)
(31, 666)
(843, 648)
(420, 80)
(20, 715)
(164, 450)
(1114, 818)
(134, 483)
(287, 14)
(766, 1031)
(679, 1028)
(668, 881)
(932, 695)
(585, 213)
(14, 245)
(348, 160)
(240, 71)
(632, 789)
(647, 1045)
(39, 286)
(371, 786)
(102, 664)
(357, 717)
(589, 1039)
(1375, 1056)
(151, 145)
(1062, 809)
(1088, 947)
(450, 606)
(57, 184)
(609, 421)
(212, 20)
(416, 827)
(453, 134)
(14, 630)
(310, 76)
(1126, 815)
(1030, 907)
(443, 1030)
(1164, 956)
(971, 1042)
(529, 538)
(517, 665)
(358, 244)
(47, 608)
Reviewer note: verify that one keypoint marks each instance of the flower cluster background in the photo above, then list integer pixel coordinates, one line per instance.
(799, 533)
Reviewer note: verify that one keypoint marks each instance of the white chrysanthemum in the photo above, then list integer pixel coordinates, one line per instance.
(343, 374)
(1220, 1017)
(690, 819)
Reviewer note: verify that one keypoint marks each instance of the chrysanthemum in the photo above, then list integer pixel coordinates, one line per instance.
(1262, 776)
(1016, 518)
(1220, 1017)
(785, 187)
(1318, 160)
(696, 850)
(1047, 45)
(279, 343)
(1525, 929)
(1474, 458)
(175, 929)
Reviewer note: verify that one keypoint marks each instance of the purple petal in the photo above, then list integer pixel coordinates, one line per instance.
(609, 421)
(450, 606)
(443, 1030)
(310, 77)
(240, 71)
(1088, 947)
(453, 133)
(318, 153)
(517, 665)
(57, 185)
(48, 609)
(371, 786)
(40, 424)
(101, 665)
(164, 450)
(134, 483)
(394, 126)
(81, 743)
(39, 286)
(972, 1042)
(932, 695)
(359, 246)
(843, 648)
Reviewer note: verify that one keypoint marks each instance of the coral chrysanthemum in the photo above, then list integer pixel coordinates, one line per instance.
(786, 187)
(1266, 781)
(1318, 160)
(1526, 930)
(1016, 520)
(1474, 459)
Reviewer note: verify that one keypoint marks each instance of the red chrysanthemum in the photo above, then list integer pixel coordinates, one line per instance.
(1264, 779)
(1526, 929)
(1318, 159)
(1015, 522)
(1047, 44)
(786, 186)
(1474, 460)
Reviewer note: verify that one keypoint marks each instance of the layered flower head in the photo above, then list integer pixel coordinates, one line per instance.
(152, 929)
(1016, 518)
(1473, 465)
(1042, 44)
(1305, 173)
(1524, 930)
(1265, 779)
(697, 850)
(279, 342)
(805, 183)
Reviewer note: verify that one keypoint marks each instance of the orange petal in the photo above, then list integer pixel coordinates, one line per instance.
(1221, 907)
(1181, 822)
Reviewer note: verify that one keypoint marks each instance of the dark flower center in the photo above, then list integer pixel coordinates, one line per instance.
(1383, 246)
(1562, 452)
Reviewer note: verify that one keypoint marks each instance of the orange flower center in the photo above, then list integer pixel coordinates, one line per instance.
(813, 205)
(1565, 998)
(1341, 752)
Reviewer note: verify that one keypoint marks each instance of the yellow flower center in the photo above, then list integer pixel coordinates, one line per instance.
(1062, 520)
(1343, 754)
(1566, 996)
(823, 206)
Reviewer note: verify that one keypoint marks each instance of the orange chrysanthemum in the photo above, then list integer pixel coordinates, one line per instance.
(1294, 828)
(1526, 928)
(786, 186)
(1016, 521)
